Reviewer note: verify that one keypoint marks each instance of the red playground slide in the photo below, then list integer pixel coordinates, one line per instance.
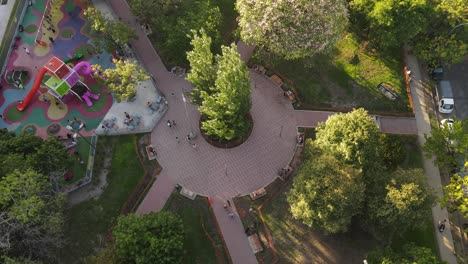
(33, 91)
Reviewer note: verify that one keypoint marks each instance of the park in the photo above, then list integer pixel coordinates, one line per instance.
(217, 143)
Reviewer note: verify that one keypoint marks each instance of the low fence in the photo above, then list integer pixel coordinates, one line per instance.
(151, 169)
(89, 170)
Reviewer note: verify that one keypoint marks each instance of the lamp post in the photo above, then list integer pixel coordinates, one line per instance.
(192, 135)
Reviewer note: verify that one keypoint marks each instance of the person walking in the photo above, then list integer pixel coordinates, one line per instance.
(169, 124)
(442, 225)
(27, 51)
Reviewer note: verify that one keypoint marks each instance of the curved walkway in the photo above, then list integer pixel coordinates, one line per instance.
(218, 173)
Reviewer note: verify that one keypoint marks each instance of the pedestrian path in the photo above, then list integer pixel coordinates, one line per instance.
(213, 172)
(208, 170)
(421, 101)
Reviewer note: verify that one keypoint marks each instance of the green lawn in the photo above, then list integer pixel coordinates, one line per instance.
(87, 224)
(199, 223)
(78, 170)
(414, 156)
(344, 78)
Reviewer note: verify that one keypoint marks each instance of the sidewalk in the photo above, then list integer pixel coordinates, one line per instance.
(422, 106)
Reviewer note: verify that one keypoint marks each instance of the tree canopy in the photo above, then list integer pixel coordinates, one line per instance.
(445, 143)
(203, 73)
(226, 108)
(393, 22)
(352, 136)
(411, 254)
(111, 34)
(456, 194)
(27, 151)
(399, 204)
(145, 10)
(326, 193)
(31, 215)
(122, 79)
(292, 28)
(428, 26)
(150, 238)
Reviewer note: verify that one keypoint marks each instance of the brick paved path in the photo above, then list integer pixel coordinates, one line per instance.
(387, 124)
(217, 173)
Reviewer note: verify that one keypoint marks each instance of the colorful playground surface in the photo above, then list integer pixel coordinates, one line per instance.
(40, 92)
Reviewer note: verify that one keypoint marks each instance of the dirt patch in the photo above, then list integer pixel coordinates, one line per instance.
(95, 189)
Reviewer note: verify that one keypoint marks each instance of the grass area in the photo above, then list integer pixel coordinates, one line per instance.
(203, 242)
(293, 241)
(345, 78)
(79, 170)
(88, 223)
(414, 156)
(296, 243)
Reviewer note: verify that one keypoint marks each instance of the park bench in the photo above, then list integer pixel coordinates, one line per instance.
(254, 243)
(257, 194)
(151, 154)
(276, 79)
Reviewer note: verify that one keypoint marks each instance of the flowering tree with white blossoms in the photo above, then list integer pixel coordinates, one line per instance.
(292, 28)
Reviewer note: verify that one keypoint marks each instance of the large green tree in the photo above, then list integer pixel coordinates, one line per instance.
(353, 137)
(111, 34)
(456, 194)
(27, 151)
(151, 238)
(392, 23)
(31, 215)
(225, 109)
(411, 254)
(202, 73)
(326, 193)
(122, 79)
(398, 205)
(292, 28)
(437, 48)
(446, 142)
(198, 14)
(152, 12)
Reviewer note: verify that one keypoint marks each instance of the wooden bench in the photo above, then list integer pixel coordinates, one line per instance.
(254, 243)
(257, 194)
(151, 155)
(276, 79)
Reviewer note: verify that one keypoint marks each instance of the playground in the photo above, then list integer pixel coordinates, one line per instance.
(48, 87)
(48, 78)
